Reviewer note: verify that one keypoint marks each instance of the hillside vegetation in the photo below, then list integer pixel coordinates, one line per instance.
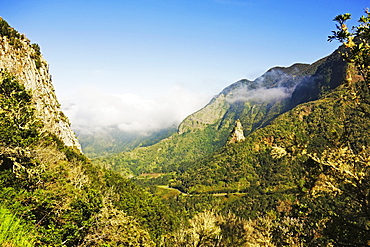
(56, 189)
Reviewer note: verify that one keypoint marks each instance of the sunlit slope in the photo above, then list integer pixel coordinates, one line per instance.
(271, 158)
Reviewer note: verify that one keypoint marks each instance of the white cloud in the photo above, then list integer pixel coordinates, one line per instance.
(272, 86)
(260, 94)
(91, 110)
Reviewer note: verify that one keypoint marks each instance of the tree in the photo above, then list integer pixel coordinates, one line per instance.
(357, 41)
(19, 125)
(112, 227)
(342, 195)
(203, 231)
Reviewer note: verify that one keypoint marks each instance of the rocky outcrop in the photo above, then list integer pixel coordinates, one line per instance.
(23, 60)
(237, 135)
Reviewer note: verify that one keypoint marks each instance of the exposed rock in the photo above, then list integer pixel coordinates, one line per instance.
(237, 134)
(32, 70)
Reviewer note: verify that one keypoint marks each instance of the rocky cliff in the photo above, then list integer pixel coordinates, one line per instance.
(24, 60)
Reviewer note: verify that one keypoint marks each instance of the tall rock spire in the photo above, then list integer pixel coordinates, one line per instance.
(237, 135)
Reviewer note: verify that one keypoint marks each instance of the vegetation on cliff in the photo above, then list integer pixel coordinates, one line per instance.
(14, 39)
(58, 195)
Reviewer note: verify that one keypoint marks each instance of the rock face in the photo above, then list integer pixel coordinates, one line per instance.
(237, 135)
(23, 60)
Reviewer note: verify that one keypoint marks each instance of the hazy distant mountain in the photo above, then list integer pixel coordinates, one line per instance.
(113, 140)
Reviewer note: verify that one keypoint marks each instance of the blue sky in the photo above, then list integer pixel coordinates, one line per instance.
(150, 49)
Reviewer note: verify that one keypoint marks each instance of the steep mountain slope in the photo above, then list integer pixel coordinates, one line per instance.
(254, 103)
(24, 60)
(310, 128)
(46, 184)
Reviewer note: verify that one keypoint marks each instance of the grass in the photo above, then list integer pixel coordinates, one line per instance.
(13, 232)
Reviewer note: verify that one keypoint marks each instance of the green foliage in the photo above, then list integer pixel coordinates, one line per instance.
(212, 229)
(72, 153)
(37, 49)
(6, 30)
(19, 126)
(146, 208)
(36, 56)
(114, 228)
(69, 204)
(14, 36)
(165, 155)
(357, 41)
(13, 231)
(340, 193)
(52, 205)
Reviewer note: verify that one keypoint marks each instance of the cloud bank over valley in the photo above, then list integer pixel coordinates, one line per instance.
(91, 110)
